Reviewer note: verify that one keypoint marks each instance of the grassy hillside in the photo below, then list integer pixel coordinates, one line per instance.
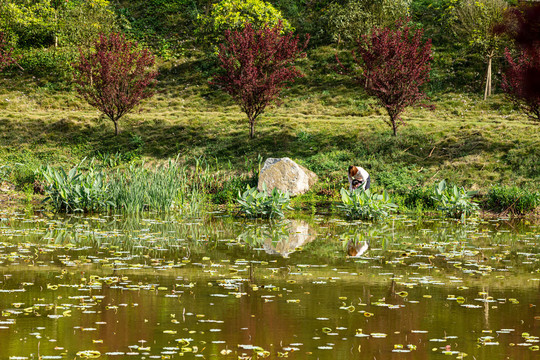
(325, 122)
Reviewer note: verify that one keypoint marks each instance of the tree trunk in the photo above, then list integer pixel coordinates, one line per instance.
(251, 129)
(394, 126)
(56, 28)
(487, 91)
(116, 130)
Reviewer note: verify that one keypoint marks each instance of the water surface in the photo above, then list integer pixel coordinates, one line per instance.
(165, 288)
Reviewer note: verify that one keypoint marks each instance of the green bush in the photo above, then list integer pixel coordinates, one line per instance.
(233, 15)
(350, 21)
(358, 204)
(255, 203)
(419, 198)
(454, 202)
(512, 199)
(51, 63)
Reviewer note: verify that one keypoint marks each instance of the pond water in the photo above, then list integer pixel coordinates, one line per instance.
(164, 288)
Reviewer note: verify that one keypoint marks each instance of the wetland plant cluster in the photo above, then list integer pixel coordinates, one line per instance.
(452, 201)
(254, 203)
(92, 188)
(365, 204)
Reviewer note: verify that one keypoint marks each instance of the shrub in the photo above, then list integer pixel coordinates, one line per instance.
(419, 197)
(234, 14)
(6, 57)
(454, 202)
(54, 64)
(516, 82)
(356, 18)
(254, 203)
(358, 204)
(513, 199)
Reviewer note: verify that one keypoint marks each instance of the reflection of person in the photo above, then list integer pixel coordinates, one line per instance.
(357, 249)
(360, 175)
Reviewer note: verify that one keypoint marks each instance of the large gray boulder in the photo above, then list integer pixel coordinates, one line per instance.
(285, 175)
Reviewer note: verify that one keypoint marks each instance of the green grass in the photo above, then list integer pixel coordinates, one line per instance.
(325, 123)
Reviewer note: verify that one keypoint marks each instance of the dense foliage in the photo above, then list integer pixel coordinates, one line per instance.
(234, 14)
(6, 57)
(355, 18)
(256, 65)
(512, 199)
(77, 190)
(521, 80)
(115, 77)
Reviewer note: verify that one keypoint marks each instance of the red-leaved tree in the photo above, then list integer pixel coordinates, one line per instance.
(116, 76)
(394, 63)
(6, 53)
(521, 80)
(256, 65)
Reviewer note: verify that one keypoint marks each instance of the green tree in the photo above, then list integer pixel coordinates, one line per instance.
(355, 18)
(29, 23)
(474, 21)
(44, 23)
(84, 20)
(234, 14)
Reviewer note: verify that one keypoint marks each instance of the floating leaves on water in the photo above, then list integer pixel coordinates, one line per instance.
(161, 280)
(89, 354)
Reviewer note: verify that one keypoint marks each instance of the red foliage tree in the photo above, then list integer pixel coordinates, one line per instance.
(256, 65)
(521, 80)
(395, 63)
(116, 76)
(6, 57)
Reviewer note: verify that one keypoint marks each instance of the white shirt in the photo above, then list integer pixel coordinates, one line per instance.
(361, 175)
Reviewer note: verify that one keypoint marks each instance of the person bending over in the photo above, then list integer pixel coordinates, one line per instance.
(358, 178)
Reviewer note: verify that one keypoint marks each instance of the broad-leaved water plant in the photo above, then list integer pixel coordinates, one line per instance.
(454, 202)
(255, 203)
(77, 190)
(360, 204)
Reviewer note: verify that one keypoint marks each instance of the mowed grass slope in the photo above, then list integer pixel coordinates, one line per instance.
(324, 122)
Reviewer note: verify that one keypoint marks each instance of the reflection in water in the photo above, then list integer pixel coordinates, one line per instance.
(158, 288)
(280, 239)
(357, 249)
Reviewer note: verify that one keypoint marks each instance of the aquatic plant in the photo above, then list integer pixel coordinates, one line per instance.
(358, 204)
(454, 202)
(160, 189)
(255, 203)
(77, 190)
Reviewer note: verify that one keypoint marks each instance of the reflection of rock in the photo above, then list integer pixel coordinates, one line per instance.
(285, 175)
(299, 234)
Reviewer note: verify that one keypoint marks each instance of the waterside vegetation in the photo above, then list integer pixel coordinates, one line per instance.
(326, 120)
